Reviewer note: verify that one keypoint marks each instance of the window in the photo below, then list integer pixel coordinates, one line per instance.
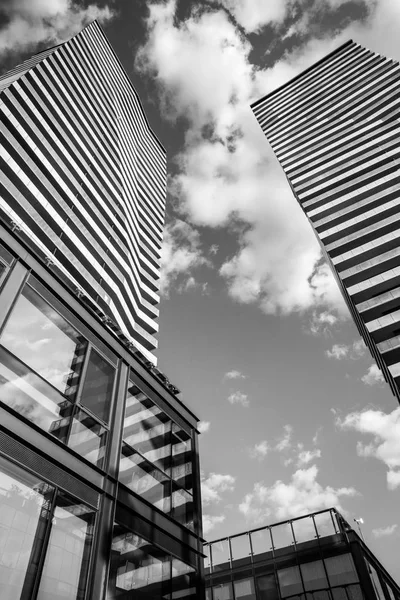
(376, 583)
(267, 588)
(290, 581)
(43, 378)
(182, 457)
(6, 259)
(313, 575)
(244, 589)
(341, 569)
(220, 553)
(183, 580)
(39, 524)
(223, 591)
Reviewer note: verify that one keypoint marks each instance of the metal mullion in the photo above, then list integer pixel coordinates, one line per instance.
(78, 394)
(45, 545)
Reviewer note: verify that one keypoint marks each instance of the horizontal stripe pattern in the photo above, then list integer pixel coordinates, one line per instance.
(84, 177)
(335, 129)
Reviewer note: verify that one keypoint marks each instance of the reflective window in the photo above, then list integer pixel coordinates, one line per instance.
(326, 524)
(355, 592)
(5, 255)
(137, 565)
(244, 589)
(240, 546)
(147, 429)
(261, 542)
(341, 569)
(290, 581)
(88, 438)
(220, 553)
(209, 594)
(98, 386)
(66, 565)
(182, 506)
(223, 591)
(339, 593)
(183, 580)
(182, 457)
(390, 592)
(144, 479)
(267, 588)
(375, 581)
(282, 536)
(313, 574)
(304, 530)
(42, 339)
(25, 503)
(3, 269)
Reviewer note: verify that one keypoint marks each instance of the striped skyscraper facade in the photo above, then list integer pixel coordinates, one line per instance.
(83, 179)
(335, 130)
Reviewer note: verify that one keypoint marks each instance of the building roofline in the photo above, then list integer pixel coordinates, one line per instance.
(95, 22)
(299, 75)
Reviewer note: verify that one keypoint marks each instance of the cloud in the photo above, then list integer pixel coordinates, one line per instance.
(203, 426)
(384, 531)
(213, 249)
(321, 322)
(385, 445)
(285, 442)
(303, 494)
(227, 173)
(234, 375)
(214, 485)
(239, 398)
(181, 254)
(33, 22)
(306, 456)
(354, 351)
(210, 522)
(259, 451)
(373, 376)
(253, 15)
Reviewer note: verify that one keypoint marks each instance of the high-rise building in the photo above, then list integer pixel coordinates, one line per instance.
(313, 557)
(84, 177)
(335, 130)
(99, 468)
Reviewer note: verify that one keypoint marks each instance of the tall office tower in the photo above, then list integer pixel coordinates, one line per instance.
(335, 130)
(99, 469)
(84, 177)
(313, 557)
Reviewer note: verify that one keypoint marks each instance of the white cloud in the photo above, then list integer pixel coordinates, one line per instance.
(181, 254)
(306, 456)
(303, 494)
(214, 485)
(373, 375)
(210, 522)
(321, 322)
(384, 531)
(353, 351)
(252, 15)
(286, 440)
(203, 426)
(385, 445)
(234, 375)
(338, 351)
(32, 22)
(260, 450)
(239, 398)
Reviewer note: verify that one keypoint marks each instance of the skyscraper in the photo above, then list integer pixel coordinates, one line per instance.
(99, 466)
(335, 130)
(84, 178)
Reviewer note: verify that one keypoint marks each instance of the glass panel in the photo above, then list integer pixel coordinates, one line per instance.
(32, 397)
(390, 592)
(209, 594)
(240, 546)
(290, 581)
(220, 553)
(147, 429)
(182, 457)
(261, 541)
(183, 581)
(320, 595)
(304, 530)
(325, 524)
(375, 581)
(98, 386)
(206, 550)
(3, 269)
(223, 591)
(313, 575)
(339, 593)
(245, 589)
(24, 515)
(267, 588)
(144, 479)
(355, 592)
(6, 255)
(137, 565)
(88, 438)
(43, 340)
(341, 569)
(182, 507)
(66, 564)
(282, 536)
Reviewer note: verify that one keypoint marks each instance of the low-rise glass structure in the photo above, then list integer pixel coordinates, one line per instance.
(315, 557)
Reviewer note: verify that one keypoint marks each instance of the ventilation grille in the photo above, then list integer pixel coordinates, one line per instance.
(45, 469)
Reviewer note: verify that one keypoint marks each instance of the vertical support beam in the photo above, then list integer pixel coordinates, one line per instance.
(117, 422)
(362, 570)
(101, 551)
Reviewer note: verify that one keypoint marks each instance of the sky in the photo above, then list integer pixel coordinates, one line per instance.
(294, 415)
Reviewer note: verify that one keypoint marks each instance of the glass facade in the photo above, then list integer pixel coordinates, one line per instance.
(308, 558)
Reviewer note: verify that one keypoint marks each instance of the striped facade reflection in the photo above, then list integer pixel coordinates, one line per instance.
(335, 130)
(82, 178)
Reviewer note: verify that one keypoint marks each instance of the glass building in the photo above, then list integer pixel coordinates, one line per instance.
(335, 130)
(99, 469)
(315, 557)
